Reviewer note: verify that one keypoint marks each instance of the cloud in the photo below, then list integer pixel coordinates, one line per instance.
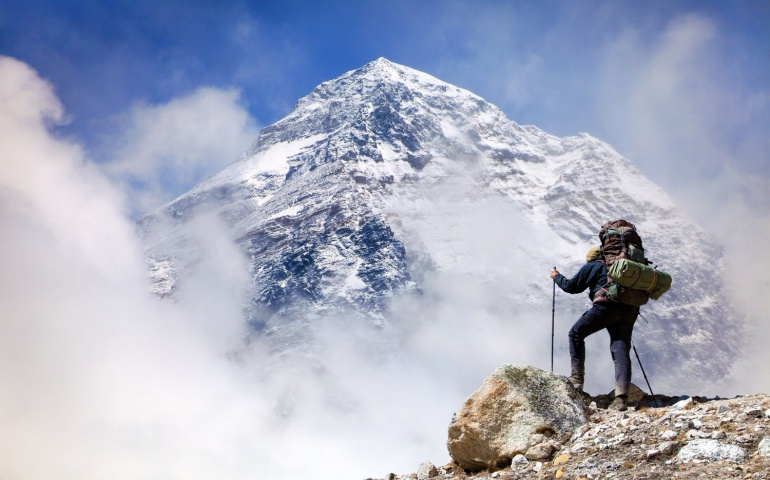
(160, 151)
(47, 178)
(96, 373)
(663, 97)
(111, 382)
(680, 109)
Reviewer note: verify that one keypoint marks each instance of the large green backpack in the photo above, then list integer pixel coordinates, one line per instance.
(629, 278)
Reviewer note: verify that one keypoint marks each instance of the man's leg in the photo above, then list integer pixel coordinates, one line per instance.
(620, 347)
(589, 323)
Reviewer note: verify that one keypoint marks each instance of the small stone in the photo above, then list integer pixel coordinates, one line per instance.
(696, 424)
(561, 459)
(519, 460)
(723, 408)
(696, 434)
(669, 435)
(767, 413)
(538, 466)
(718, 435)
(496, 475)
(541, 451)
(578, 447)
(682, 404)
(559, 473)
(652, 453)
(744, 438)
(426, 471)
(764, 447)
(625, 422)
(754, 411)
(667, 448)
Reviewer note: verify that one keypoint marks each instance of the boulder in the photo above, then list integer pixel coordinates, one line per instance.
(516, 408)
(635, 394)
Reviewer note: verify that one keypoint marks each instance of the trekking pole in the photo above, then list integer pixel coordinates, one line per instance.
(645, 375)
(553, 317)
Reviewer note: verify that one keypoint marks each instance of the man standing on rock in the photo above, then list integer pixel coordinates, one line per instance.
(617, 318)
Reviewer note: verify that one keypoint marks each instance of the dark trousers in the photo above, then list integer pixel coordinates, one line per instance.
(619, 320)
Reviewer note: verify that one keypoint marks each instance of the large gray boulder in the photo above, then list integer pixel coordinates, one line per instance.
(516, 408)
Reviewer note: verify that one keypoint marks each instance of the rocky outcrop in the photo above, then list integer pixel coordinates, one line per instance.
(662, 438)
(518, 410)
(525, 423)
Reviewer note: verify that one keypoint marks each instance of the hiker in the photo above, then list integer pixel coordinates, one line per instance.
(617, 318)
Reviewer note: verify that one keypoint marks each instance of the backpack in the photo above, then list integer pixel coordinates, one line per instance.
(620, 241)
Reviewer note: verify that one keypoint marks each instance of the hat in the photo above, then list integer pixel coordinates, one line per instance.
(593, 253)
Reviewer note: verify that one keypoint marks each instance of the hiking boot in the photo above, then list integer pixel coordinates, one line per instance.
(620, 403)
(576, 380)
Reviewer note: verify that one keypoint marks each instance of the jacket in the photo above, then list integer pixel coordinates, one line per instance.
(592, 276)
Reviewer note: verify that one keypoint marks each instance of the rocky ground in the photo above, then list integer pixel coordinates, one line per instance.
(684, 438)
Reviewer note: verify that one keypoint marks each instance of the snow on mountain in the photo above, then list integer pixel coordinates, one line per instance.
(375, 179)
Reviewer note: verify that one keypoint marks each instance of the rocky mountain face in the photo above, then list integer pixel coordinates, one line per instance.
(332, 204)
(492, 436)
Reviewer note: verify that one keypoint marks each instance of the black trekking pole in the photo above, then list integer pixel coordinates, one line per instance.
(645, 375)
(553, 317)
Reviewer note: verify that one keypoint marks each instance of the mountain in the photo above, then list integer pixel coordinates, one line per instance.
(386, 177)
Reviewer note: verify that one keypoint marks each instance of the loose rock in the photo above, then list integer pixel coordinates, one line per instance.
(669, 435)
(712, 451)
(764, 447)
(541, 451)
(426, 471)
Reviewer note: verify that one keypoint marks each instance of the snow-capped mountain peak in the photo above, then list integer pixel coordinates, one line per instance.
(333, 202)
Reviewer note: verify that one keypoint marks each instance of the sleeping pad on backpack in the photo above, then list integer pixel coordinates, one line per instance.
(640, 277)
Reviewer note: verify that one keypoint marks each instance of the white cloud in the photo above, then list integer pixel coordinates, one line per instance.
(105, 380)
(663, 98)
(163, 150)
(47, 179)
(110, 382)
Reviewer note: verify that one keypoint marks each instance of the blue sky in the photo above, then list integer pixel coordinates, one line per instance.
(104, 55)
(612, 69)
